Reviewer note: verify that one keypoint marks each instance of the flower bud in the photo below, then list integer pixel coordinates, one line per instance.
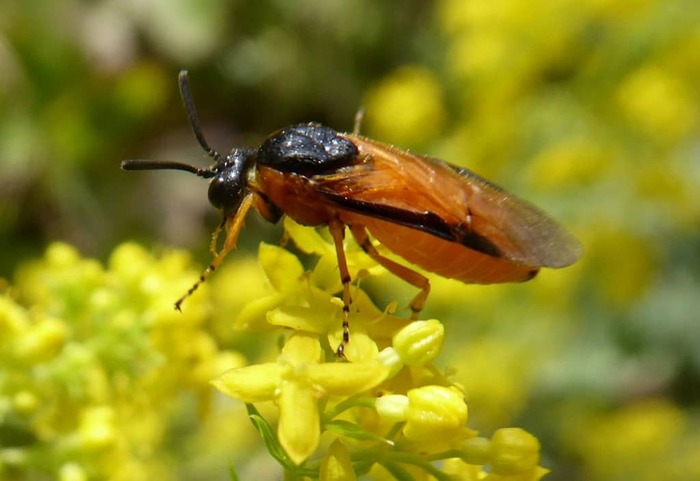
(42, 341)
(26, 402)
(419, 342)
(513, 451)
(336, 466)
(72, 472)
(435, 412)
(98, 429)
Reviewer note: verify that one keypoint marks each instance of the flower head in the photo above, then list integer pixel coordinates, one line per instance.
(297, 382)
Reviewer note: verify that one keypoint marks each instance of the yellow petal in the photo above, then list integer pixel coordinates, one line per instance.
(254, 315)
(307, 239)
(250, 384)
(311, 319)
(325, 274)
(347, 379)
(302, 347)
(361, 347)
(299, 426)
(282, 268)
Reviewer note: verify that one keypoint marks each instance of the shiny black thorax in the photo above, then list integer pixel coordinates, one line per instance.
(305, 149)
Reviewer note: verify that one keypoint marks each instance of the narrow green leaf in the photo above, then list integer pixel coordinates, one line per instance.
(232, 475)
(269, 438)
(352, 430)
(399, 473)
(273, 446)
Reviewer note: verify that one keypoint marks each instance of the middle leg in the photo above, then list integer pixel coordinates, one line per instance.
(337, 230)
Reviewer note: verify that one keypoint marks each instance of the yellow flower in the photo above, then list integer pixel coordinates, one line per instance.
(639, 435)
(658, 102)
(406, 108)
(42, 341)
(307, 301)
(297, 381)
(72, 472)
(435, 416)
(98, 428)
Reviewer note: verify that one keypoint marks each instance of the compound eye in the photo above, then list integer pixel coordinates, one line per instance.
(226, 192)
(228, 187)
(216, 194)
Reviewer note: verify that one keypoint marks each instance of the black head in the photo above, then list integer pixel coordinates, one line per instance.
(306, 149)
(228, 186)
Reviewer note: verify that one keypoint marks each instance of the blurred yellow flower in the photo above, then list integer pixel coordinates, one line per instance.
(513, 451)
(94, 363)
(659, 103)
(637, 435)
(406, 108)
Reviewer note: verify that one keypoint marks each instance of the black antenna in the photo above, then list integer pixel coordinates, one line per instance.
(138, 164)
(184, 81)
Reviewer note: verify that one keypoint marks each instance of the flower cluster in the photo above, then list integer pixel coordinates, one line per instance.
(96, 367)
(386, 410)
(95, 364)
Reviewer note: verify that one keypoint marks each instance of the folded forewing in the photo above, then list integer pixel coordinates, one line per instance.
(448, 202)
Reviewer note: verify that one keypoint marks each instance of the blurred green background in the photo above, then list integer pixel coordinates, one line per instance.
(589, 108)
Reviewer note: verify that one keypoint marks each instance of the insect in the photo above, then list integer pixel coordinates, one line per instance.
(443, 218)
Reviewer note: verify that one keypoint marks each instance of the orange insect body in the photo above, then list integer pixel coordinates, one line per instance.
(440, 217)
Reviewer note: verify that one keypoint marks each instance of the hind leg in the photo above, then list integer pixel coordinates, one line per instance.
(412, 277)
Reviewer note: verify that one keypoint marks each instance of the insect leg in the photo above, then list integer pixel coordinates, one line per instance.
(337, 230)
(233, 228)
(405, 273)
(215, 237)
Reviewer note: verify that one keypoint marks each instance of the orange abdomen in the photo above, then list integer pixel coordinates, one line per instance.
(442, 257)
